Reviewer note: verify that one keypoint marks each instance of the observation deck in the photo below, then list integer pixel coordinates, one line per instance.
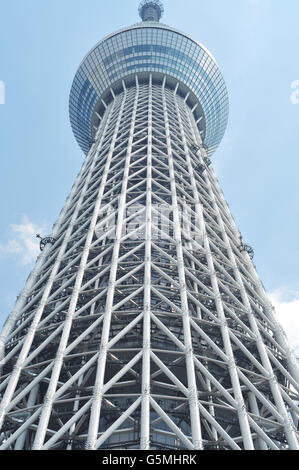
(149, 47)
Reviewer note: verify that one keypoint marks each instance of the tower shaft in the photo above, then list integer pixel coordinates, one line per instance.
(144, 324)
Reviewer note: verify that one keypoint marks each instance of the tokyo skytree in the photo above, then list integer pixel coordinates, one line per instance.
(144, 324)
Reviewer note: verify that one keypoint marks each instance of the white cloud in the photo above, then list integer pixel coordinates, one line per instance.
(287, 311)
(22, 242)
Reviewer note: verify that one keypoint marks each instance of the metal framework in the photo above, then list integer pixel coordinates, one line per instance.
(44, 241)
(144, 324)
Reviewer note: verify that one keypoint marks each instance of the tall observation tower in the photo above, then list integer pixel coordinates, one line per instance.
(144, 324)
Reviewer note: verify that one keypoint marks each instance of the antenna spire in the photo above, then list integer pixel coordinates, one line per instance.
(151, 10)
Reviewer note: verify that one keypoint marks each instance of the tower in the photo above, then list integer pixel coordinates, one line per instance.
(144, 324)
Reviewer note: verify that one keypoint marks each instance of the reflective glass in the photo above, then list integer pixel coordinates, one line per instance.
(149, 47)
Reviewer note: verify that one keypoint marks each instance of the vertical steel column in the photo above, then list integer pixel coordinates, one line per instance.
(255, 409)
(192, 386)
(145, 405)
(198, 224)
(76, 408)
(20, 442)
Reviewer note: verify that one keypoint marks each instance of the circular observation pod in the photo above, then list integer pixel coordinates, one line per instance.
(150, 48)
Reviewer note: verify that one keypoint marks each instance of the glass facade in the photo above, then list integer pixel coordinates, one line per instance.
(149, 47)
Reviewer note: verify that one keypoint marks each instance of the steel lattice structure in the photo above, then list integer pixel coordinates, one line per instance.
(144, 324)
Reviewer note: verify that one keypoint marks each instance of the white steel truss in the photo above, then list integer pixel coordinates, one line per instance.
(144, 324)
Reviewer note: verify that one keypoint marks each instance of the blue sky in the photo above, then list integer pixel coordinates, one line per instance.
(255, 42)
